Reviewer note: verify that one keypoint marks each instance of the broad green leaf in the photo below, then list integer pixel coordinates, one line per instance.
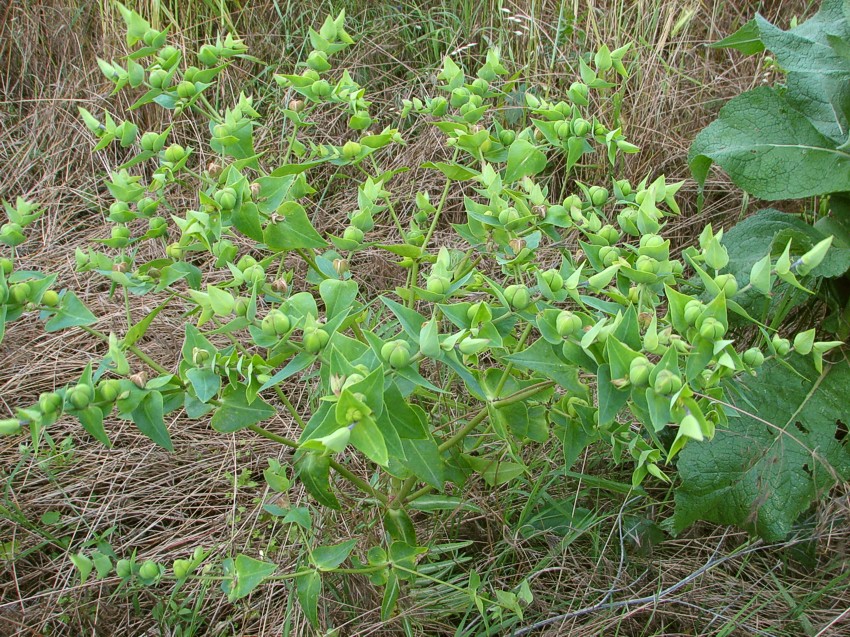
(308, 588)
(367, 438)
(327, 558)
(91, 418)
(337, 295)
(763, 471)
(524, 159)
(72, 313)
(205, 382)
(391, 591)
(542, 357)
(770, 149)
(236, 413)
(148, 418)
(249, 573)
(294, 231)
(494, 471)
(314, 473)
(423, 458)
(138, 330)
(455, 172)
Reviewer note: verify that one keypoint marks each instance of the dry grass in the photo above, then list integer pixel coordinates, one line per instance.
(162, 505)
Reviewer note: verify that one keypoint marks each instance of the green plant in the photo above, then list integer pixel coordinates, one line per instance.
(789, 141)
(549, 321)
(786, 141)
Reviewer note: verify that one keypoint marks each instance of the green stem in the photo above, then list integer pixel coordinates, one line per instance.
(269, 435)
(304, 254)
(135, 350)
(290, 407)
(414, 271)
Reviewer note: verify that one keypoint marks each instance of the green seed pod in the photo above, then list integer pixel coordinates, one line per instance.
(563, 129)
(121, 235)
(149, 570)
(208, 55)
(507, 137)
(186, 90)
(241, 306)
(727, 284)
(667, 383)
(280, 322)
(174, 251)
(608, 255)
(166, 54)
(109, 389)
(123, 569)
(353, 233)
(578, 92)
(609, 233)
(459, 97)
(181, 568)
(315, 340)
(508, 216)
(120, 212)
(318, 61)
(245, 262)
(567, 324)
(693, 310)
(517, 297)
(226, 198)
(321, 88)
(438, 284)
(255, 275)
(598, 195)
(400, 356)
(553, 279)
(20, 293)
(7, 265)
(804, 342)
(439, 106)
(580, 128)
(49, 403)
(81, 396)
(712, 329)
(50, 298)
(174, 153)
(753, 357)
(654, 246)
(625, 187)
(351, 149)
(12, 234)
(158, 78)
(639, 371)
(150, 142)
(781, 345)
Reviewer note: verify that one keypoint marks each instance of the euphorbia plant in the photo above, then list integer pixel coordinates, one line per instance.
(565, 318)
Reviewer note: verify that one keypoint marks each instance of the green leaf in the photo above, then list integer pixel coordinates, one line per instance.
(236, 412)
(423, 458)
(148, 418)
(455, 172)
(543, 357)
(524, 159)
(367, 438)
(314, 473)
(327, 558)
(436, 502)
(205, 382)
(138, 330)
(747, 40)
(84, 564)
(91, 418)
(308, 587)
(337, 295)
(764, 471)
(494, 471)
(770, 149)
(72, 314)
(293, 232)
(391, 591)
(249, 574)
